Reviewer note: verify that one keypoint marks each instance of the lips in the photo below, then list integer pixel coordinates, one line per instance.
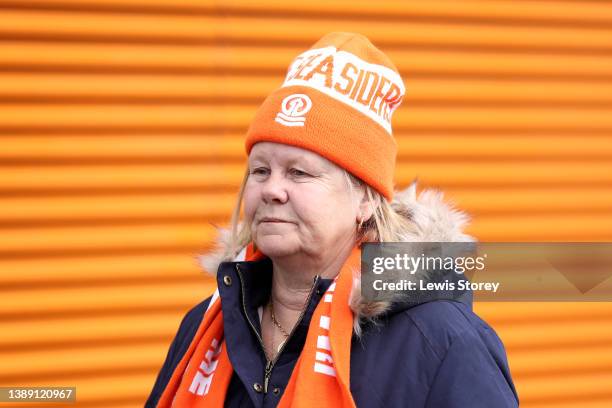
(271, 219)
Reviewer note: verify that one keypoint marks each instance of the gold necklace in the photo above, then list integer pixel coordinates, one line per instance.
(277, 324)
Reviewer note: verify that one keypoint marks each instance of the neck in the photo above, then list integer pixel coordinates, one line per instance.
(293, 276)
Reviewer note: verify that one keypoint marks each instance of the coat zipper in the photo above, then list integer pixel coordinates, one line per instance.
(270, 364)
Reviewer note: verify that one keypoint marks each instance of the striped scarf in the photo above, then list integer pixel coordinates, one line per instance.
(320, 378)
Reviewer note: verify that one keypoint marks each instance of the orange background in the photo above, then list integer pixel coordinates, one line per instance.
(121, 129)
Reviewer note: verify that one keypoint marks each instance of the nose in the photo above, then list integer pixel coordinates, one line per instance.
(274, 190)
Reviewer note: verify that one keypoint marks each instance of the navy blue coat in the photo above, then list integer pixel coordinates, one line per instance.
(435, 354)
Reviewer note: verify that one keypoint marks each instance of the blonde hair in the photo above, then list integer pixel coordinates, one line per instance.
(385, 225)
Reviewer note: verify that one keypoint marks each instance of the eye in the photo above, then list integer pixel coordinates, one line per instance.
(298, 172)
(259, 171)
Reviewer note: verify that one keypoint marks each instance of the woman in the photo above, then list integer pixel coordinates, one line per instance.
(287, 325)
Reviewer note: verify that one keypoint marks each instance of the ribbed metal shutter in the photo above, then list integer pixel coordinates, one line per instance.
(121, 126)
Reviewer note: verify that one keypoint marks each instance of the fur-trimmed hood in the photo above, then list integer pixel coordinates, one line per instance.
(434, 219)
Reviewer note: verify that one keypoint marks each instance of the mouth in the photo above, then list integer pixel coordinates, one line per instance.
(271, 219)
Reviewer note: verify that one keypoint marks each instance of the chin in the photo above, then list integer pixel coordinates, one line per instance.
(274, 246)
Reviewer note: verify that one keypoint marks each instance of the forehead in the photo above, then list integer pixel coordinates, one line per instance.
(282, 154)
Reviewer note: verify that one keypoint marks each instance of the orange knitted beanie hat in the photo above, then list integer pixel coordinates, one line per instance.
(337, 101)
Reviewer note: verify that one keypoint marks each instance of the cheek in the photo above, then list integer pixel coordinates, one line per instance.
(250, 201)
(307, 203)
(324, 210)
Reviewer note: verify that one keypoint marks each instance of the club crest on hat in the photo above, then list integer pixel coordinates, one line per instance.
(293, 110)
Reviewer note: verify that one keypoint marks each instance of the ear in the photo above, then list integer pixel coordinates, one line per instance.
(366, 206)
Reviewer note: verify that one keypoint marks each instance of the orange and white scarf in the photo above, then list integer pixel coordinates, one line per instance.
(202, 376)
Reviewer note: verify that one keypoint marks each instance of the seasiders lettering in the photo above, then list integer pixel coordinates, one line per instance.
(373, 89)
(304, 64)
(365, 87)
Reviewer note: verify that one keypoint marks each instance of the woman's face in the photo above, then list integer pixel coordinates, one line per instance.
(297, 201)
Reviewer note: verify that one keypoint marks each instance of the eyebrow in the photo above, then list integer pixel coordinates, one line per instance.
(321, 165)
(293, 160)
